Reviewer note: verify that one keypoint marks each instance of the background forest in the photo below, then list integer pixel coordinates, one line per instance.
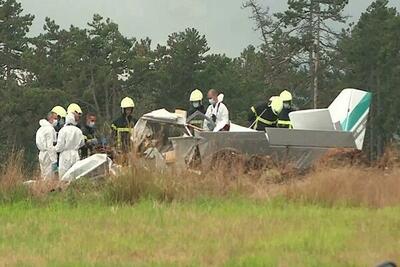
(97, 65)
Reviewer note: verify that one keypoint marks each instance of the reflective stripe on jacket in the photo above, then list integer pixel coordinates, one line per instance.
(119, 134)
(284, 119)
(262, 116)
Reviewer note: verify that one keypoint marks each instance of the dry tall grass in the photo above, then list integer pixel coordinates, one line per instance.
(141, 181)
(370, 187)
(13, 174)
(342, 177)
(339, 179)
(11, 178)
(346, 178)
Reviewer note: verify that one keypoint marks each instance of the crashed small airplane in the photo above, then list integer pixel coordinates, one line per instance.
(166, 138)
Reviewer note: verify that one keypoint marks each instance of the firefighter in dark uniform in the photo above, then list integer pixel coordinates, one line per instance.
(196, 104)
(284, 120)
(265, 114)
(122, 127)
(89, 132)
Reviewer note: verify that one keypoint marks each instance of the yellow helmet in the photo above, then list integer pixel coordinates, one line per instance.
(286, 96)
(60, 111)
(276, 105)
(127, 102)
(272, 98)
(196, 95)
(74, 108)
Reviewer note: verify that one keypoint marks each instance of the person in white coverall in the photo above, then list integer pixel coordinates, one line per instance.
(217, 112)
(70, 139)
(45, 140)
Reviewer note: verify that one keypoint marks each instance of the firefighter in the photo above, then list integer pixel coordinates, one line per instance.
(90, 134)
(265, 114)
(284, 120)
(122, 127)
(196, 105)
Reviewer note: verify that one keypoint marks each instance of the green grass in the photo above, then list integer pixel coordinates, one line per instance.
(231, 232)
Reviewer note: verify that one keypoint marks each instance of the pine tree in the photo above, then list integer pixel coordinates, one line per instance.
(371, 54)
(13, 40)
(310, 21)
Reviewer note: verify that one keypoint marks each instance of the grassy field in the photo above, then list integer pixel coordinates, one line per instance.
(333, 215)
(230, 232)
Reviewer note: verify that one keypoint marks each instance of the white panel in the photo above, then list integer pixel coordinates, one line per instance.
(314, 119)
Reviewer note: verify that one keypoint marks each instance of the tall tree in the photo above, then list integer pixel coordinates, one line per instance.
(45, 57)
(371, 52)
(299, 38)
(282, 52)
(13, 41)
(310, 21)
(107, 60)
(182, 58)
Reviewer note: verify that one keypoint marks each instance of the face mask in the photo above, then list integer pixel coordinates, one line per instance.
(55, 122)
(212, 101)
(196, 104)
(286, 105)
(92, 124)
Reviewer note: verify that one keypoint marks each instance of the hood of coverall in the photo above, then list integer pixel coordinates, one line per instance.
(70, 119)
(44, 122)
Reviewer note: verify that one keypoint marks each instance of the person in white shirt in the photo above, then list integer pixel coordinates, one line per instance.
(216, 112)
(70, 139)
(45, 140)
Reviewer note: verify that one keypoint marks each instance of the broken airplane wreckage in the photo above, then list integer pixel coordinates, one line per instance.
(167, 139)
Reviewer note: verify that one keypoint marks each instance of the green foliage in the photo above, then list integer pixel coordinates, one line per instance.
(181, 61)
(97, 66)
(21, 114)
(371, 54)
(13, 41)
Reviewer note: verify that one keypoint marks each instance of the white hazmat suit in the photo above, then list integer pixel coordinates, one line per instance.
(45, 139)
(70, 139)
(221, 114)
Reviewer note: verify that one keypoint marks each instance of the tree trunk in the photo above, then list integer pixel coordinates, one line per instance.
(311, 51)
(380, 137)
(371, 83)
(371, 138)
(93, 89)
(316, 51)
(107, 104)
(114, 102)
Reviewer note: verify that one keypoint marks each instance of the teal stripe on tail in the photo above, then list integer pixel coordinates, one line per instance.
(357, 113)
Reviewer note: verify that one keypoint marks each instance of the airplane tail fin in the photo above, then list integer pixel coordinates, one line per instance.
(349, 113)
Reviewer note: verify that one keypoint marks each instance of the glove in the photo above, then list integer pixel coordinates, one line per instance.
(54, 167)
